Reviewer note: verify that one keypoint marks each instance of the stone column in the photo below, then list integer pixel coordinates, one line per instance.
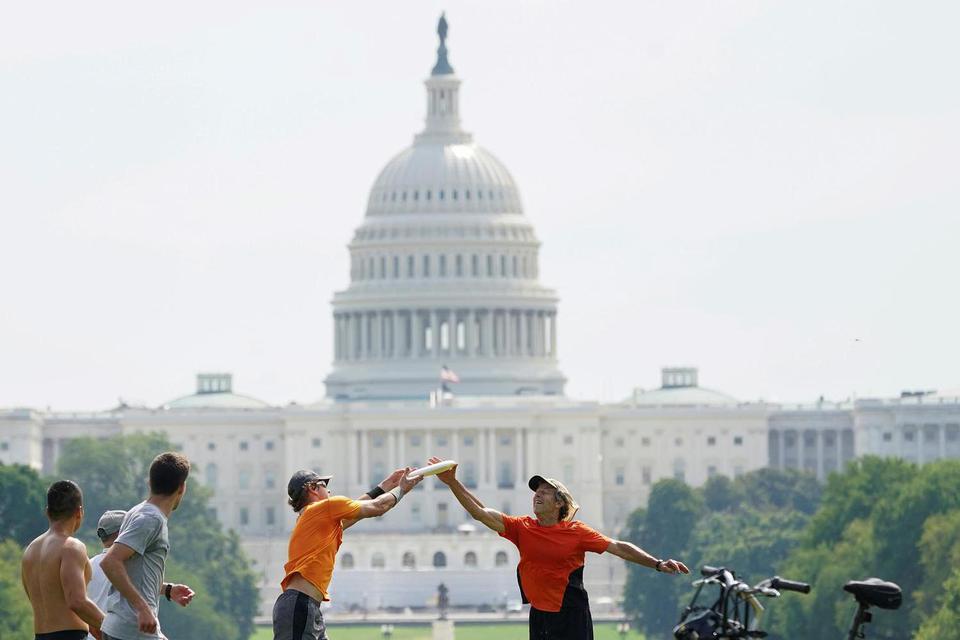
(541, 334)
(364, 335)
(942, 430)
(402, 447)
(508, 332)
(452, 332)
(783, 450)
(472, 333)
(820, 466)
(553, 334)
(398, 334)
(434, 334)
(524, 318)
(488, 347)
(416, 334)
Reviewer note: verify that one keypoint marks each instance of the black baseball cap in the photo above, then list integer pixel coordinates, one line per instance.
(302, 478)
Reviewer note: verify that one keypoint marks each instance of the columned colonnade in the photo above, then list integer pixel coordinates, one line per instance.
(434, 333)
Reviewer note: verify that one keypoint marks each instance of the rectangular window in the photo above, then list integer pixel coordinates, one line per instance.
(243, 445)
(269, 481)
(270, 516)
(475, 265)
(468, 441)
(887, 436)
(645, 475)
(711, 441)
(711, 471)
(442, 267)
(644, 442)
(426, 266)
(459, 266)
(268, 445)
(244, 517)
(737, 440)
(567, 439)
(396, 266)
(315, 443)
(489, 265)
(410, 266)
(619, 478)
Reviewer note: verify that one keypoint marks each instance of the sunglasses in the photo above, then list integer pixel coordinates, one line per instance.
(316, 483)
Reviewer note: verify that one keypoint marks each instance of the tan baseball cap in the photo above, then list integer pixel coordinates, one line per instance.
(562, 492)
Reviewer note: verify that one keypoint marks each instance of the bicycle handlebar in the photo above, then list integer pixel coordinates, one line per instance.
(707, 571)
(789, 585)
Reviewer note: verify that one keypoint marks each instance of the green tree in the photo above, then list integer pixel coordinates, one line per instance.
(854, 493)
(23, 497)
(771, 489)
(945, 623)
(663, 529)
(201, 553)
(721, 494)
(16, 617)
(940, 556)
(899, 523)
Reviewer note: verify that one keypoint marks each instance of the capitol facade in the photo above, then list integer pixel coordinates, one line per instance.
(444, 273)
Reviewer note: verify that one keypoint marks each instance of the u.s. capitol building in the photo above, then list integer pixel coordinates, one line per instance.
(445, 272)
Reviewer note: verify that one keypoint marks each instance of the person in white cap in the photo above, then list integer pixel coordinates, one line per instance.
(552, 546)
(107, 529)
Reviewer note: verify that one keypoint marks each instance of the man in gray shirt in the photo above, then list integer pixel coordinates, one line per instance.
(134, 564)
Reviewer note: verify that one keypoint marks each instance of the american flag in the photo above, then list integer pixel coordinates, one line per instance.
(447, 375)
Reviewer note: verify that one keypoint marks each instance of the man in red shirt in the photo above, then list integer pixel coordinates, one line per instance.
(552, 546)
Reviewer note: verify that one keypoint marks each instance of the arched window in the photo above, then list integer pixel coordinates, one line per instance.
(409, 560)
(500, 559)
(378, 561)
(346, 561)
(439, 560)
(470, 559)
(211, 475)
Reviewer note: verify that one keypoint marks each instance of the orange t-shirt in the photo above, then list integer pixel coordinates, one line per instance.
(551, 560)
(315, 540)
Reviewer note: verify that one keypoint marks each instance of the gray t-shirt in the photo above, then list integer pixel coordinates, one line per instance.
(144, 530)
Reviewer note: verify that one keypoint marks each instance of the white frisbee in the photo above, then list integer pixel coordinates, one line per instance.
(433, 469)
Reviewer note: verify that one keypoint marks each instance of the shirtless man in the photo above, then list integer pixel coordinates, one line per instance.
(55, 571)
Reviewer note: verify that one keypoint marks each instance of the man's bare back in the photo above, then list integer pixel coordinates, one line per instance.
(54, 565)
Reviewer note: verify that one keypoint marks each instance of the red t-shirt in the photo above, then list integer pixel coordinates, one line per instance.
(551, 560)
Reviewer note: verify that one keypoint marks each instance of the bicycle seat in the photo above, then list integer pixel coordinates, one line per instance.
(875, 592)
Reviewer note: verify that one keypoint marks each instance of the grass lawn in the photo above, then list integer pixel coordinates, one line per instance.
(602, 631)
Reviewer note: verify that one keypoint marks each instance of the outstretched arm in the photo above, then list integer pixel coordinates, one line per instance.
(632, 553)
(382, 504)
(491, 518)
(388, 483)
(74, 583)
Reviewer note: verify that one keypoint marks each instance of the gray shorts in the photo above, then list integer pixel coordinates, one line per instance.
(296, 616)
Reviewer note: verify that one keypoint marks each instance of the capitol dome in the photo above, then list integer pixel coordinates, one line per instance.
(431, 176)
(215, 391)
(444, 273)
(680, 388)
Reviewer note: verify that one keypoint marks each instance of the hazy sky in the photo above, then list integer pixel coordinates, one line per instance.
(766, 190)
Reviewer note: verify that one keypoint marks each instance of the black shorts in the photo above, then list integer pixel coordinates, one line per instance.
(570, 623)
(297, 616)
(69, 634)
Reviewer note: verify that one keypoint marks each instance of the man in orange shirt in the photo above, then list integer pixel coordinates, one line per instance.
(552, 546)
(314, 543)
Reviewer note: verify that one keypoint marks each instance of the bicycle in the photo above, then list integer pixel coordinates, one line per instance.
(729, 616)
(872, 592)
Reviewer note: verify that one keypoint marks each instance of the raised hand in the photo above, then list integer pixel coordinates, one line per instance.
(447, 476)
(406, 483)
(393, 480)
(673, 566)
(181, 594)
